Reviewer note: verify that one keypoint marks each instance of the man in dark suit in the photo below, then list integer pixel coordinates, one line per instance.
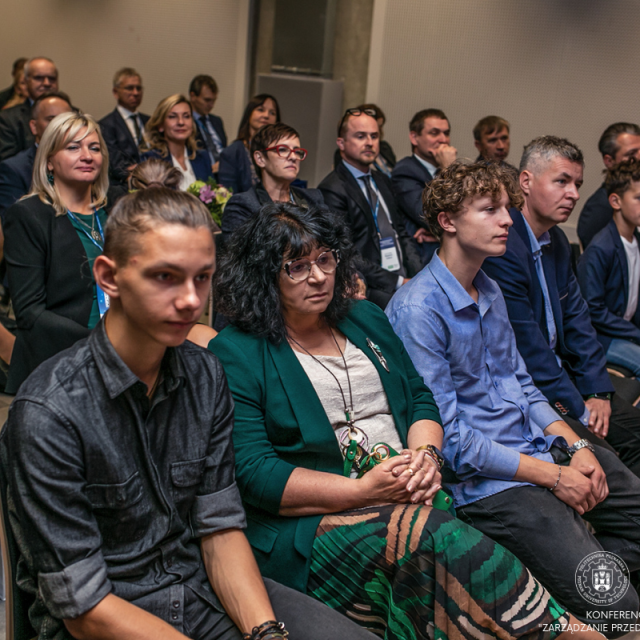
(388, 255)
(547, 311)
(7, 94)
(430, 136)
(619, 142)
(15, 172)
(15, 134)
(203, 93)
(123, 128)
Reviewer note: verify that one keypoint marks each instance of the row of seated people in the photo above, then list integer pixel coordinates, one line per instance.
(336, 436)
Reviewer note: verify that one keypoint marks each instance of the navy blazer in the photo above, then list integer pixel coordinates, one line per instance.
(201, 164)
(409, 178)
(595, 216)
(343, 195)
(15, 178)
(603, 275)
(235, 168)
(218, 126)
(243, 206)
(584, 369)
(123, 149)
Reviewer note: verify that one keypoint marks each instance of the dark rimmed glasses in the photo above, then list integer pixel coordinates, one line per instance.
(300, 268)
(355, 112)
(285, 152)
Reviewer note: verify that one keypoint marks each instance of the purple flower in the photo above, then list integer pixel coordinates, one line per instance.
(206, 194)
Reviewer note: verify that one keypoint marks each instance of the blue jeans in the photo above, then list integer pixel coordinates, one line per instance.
(626, 354)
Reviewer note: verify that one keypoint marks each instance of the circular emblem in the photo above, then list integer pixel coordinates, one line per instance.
(602, 578)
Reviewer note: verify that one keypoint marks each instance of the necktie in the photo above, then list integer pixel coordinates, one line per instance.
(208, 141)
(548, 311)
(385, 228)
(136, 126)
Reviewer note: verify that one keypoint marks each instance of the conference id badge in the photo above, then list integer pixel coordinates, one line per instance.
(103, 301)
(389, 252)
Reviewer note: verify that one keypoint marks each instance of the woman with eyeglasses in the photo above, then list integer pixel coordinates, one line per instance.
(319, 383)
(276, 155)
(237, 171)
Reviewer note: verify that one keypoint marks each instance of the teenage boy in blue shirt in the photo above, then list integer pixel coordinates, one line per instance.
(518, 472)
(609, 270)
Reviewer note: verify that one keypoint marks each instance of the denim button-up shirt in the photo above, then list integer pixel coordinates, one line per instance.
(109, 491)
(466, 352)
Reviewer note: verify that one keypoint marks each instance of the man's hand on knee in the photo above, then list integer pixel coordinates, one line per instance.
(599, 414)
(586, 463)
(575, 489)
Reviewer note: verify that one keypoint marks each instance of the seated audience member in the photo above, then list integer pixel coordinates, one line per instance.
(429, 133)
(276, 155)
(123, 128)
(20, 92)
(121, 482)
(386, 159)
(619, 142)
(492, 139)
(52, 237)
(237, 172)
(170, 136)
(15, 133)
(520, 474)
(549, 315)
(317, 379)
(366, 202)
(203, 93)
(9, 92)
(609, 270)
(16, 172)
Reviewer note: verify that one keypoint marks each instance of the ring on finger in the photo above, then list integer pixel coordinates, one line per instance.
(411, 471)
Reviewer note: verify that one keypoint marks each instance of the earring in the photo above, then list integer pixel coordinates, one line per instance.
(50, 177)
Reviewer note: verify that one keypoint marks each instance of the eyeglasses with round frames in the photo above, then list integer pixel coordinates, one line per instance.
(356, 112)
(300, 268)
(285, 152)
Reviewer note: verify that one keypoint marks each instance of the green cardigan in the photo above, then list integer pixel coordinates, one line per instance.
(280, 425)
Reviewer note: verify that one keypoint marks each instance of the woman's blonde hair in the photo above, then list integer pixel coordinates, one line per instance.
(155, 139)
(60, 131)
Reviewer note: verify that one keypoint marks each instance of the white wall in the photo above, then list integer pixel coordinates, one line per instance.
(167, 41)
(562, 67)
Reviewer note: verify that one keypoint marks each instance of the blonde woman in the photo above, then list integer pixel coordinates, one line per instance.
(52, 237)
(171, 136)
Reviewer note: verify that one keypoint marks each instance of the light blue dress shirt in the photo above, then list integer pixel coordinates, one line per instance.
(466, 353)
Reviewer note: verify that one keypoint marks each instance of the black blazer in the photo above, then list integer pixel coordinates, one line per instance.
(15, 177)
(51, 285)
(409, 178)
(6, 95)
(243, 206)
(595, 216)
(235, 168)
(343, 195)
(123, 150)
(603, 274)
(218, 126)
(15, 135)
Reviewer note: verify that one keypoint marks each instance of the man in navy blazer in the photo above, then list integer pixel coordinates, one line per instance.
(203, 93)
(619, 142)
(15, 172)
(430, 136)
(547, 311)
(123, 128)
(609, 270)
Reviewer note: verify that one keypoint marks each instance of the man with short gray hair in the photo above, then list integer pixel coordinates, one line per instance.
(619, 142)
(547, 311)
(15, 134)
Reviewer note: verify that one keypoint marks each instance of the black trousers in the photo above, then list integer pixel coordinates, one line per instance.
(304, 617)
(550, 538)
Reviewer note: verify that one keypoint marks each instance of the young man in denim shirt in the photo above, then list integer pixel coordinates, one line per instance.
(518, 473)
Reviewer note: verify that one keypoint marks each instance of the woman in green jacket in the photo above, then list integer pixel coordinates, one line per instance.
(318, 378)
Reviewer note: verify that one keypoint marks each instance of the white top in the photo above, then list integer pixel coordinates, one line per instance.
(633, 266)
(188, 177)
(371, 412)
(126, 116)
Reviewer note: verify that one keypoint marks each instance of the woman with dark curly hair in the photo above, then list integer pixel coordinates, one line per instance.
(320, 382)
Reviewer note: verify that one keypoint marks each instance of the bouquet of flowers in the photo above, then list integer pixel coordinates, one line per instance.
(213, 195)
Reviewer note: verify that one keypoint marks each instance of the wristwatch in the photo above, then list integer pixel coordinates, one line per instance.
(434, 453)
(600, 396)
(576, 446)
